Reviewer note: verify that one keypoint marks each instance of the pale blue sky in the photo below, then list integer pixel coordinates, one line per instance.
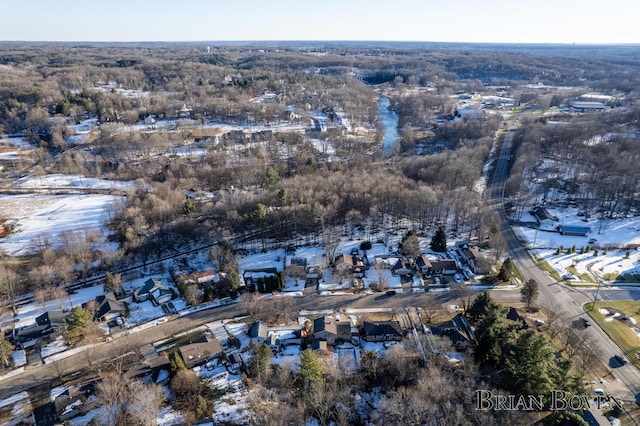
(507, 21)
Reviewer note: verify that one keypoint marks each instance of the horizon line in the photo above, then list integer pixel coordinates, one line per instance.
(567, 44)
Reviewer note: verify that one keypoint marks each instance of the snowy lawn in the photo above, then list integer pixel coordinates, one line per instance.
(611, 237)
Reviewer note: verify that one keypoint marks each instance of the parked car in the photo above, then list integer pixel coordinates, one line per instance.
(391, 292)
(620, 358)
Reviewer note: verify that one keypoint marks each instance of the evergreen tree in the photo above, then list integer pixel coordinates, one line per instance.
(493, 335)
(259, 215)
(271, 177)
(81, 325)
(176, 363)
(188, 207)
(530, 366)
(6, 350)
(364, 246)
(310, 366)
(481, 305)
(260, 362)
(439, 240)
(506, 272)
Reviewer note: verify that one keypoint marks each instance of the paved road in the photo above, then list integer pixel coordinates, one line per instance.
(44, 375)
(553, 294)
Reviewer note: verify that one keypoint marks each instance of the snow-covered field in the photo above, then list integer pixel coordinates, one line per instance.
(35, 216)
(611, 236)
(60, 181)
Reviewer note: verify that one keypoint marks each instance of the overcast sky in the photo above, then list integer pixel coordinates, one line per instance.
(502, 21)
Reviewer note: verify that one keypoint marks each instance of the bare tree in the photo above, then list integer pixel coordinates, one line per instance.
(554, 320)
(92, 307)
(113, 391)
(8, 285)
(573, 343)
(41, 296)
(464, 294)
(587, 357)
(146, 402)
(430, 308)
(382, 273)
(113, 282)
(59, 294)
(296, 272)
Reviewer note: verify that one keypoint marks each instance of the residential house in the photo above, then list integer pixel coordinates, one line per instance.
(443, 267)
(324, 328)
(200, 277)
(382, 331)
(515, 315)
(251, 276)
(314, 273)
(279, 337)
(352, 264)
(458, 330)
(50, 322)
(202, 351)
(401, 267)
(423, 264)
(154, 290)
(262, 136)
(75, 401)
(258, 332)
(320, 346)
(545, 219)
(473, 258)
(54, 320)
(108, 308)
(331, 330)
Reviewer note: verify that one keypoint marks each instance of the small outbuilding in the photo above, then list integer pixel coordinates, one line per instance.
(576, 231)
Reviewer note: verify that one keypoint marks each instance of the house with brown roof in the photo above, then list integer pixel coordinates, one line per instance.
(350, 263)
(328, 329)
(423, 264)
(202, 351)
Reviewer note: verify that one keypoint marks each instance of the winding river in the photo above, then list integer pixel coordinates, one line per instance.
(389, 120)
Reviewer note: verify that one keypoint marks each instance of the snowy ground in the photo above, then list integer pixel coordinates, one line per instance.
(611, 237)
(35, 215)
(60, 181)
(27, 313)
(38, 215)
